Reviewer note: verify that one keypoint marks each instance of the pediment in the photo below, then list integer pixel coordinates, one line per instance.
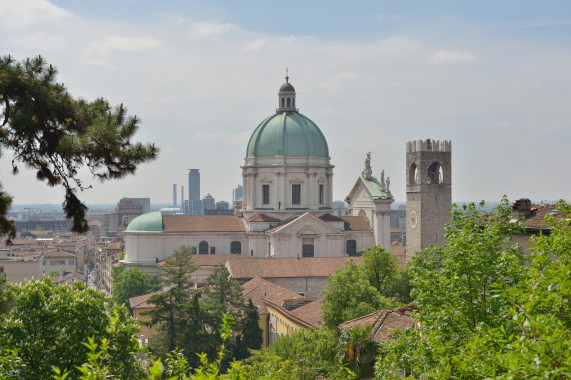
(306, 225)
(296, 180)
(357, 190)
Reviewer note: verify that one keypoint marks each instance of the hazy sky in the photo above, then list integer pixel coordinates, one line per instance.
(492, 76)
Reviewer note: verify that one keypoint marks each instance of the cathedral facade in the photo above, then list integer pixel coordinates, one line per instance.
(287, 203)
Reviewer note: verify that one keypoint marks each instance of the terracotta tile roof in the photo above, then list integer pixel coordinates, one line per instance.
(55, 254)
(288, 267)
(213, 260)
(115, 245)
(382, 321)
(140, 302)
(535, 219)
(258, 289)
(262, 218)
(355, 223)
(330, 218)
(281, 224)
(310, 313)
(286, 313)
(203, 223)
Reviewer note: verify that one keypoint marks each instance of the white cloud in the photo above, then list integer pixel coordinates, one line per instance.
(255, 45)
(38, 40)
(450, 56)
(202, 29)
(22, 13)
(338, 81)
(121, 44)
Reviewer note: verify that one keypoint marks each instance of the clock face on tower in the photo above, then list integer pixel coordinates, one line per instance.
(413, 219)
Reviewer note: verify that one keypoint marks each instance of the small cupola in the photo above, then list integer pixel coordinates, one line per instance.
(286, 97)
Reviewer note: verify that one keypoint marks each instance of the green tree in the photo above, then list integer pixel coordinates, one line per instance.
(506, 316)
(10, 365)
(224, 293)
(199, 332)
(356, 349)
(251, 337)
(169, 317)
(305, 354)
(380, 267)
(131, 283)
(48, 324)
(55, 134)
(350, 295)
(6, 295)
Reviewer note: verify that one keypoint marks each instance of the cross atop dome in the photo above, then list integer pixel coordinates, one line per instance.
(286, 96)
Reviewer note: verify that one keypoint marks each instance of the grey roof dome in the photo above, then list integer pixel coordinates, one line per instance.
(287, 87)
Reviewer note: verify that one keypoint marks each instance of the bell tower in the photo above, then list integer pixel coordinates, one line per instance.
(428, 193)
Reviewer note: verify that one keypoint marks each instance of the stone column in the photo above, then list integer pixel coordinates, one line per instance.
(244, 189)
(274, 199)
(251, 190)
(329, 190)
(382, 228)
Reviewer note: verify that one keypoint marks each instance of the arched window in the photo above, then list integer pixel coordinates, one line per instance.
(307, 249)
(351, 247)
(293, 102)
(283, 102)
(413, 174)
(236, 247)
(435, 173)
(203, 248)
(288, 102)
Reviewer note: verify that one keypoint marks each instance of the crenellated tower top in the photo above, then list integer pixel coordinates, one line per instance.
(428, 145)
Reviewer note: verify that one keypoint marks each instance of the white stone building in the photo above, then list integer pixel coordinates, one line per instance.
(287, 203)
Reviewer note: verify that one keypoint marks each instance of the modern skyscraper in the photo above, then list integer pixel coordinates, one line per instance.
(193, 184)
(208, 202)
(174, 195)
(237, 193)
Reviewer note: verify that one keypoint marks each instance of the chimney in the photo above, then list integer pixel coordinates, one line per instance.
(521, 208)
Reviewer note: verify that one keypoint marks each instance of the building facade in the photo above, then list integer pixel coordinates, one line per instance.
(287, 206)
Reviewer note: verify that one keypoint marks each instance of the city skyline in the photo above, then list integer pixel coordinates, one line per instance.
(492, 78)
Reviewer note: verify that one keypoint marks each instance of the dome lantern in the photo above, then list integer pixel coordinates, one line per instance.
(286, 97)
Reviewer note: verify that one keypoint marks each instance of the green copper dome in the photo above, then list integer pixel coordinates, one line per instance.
(287, 134)
(151, 222)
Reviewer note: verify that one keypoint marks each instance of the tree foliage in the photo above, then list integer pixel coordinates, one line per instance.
(55, 134)
(486, 309)
(131, 283)
(303, 355)
(357, 350)
(169, 317)
(252, 334)
(224, 293)
(48, 324)
(349, 294)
